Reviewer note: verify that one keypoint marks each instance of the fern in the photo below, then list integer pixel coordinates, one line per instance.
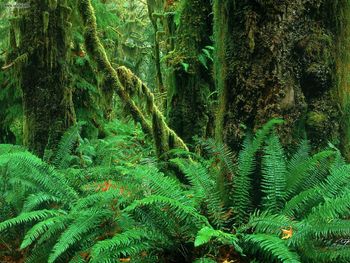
(297, 178)
(273, 175)
(272, 248)
(35, 200)
(75, 232)
(124, 244)
(207, 233)
(182, 211)
(65, 146)
(246, 166)
(29, 217)
(44, 228)
(267, 223)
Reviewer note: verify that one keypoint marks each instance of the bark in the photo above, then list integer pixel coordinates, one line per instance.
(277, 59)
(189, 90)
(47, 98)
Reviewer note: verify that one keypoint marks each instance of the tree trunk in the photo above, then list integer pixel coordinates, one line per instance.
(152, 7)
(278, 59)
(188, 93)
(47, 98)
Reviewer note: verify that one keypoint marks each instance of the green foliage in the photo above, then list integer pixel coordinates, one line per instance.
(246, 167)
(293, 220)
(103, 210)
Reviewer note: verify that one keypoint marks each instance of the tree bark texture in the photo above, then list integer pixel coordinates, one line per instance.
(47, 98)
(191, 82)
(278, 59)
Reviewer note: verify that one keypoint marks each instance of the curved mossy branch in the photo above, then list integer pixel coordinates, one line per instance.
(165, 138)
(97, 52)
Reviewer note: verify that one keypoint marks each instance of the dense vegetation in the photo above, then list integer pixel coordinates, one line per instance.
(174, 131)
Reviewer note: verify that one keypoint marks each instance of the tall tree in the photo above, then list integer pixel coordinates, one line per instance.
(191, 82)
(153, 7)
(278, 59)
(43, 49)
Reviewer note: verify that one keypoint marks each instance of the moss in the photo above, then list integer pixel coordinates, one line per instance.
(122, 77)
(316, 119)
(52, 4)
(223, 13)
(48, 109)
(46, 17)
(191, 82)
(341, 11)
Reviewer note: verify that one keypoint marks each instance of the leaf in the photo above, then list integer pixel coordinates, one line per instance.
(203, 60)
(185, 66)
(204, 235)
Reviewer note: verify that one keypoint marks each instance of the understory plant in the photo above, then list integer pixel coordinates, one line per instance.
(109, 200)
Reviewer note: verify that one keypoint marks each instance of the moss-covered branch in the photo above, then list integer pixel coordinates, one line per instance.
(165, 138)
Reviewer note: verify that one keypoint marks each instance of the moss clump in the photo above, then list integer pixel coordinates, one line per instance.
(52, 4)
(46, 18)
(316, 119)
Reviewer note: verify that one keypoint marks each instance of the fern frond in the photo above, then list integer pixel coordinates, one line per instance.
(44, 227)
(331, 254)
(31, 168)
(264, 131)
(181, 211)
(85, 222)
(331, 229)
(270, 223)
(99, 198)
(242, 183)
(301, 204)
(204, 260)
(29, 217)
(65, 146)
(121, 240)
(297, 178)
(207, 233)
(272, 248)
(274, 171)
(204, 189)
(299, 156)
(225, 155)
(158, 183)
(34, 200)
(336, 182)
(9, 148)
(332, 208)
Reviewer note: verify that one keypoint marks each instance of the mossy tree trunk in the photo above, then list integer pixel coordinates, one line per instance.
(189, 90)
(47, 100)
(278, 59)
(152, 6)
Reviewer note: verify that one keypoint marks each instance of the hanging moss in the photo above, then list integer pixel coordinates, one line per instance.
(123, 77)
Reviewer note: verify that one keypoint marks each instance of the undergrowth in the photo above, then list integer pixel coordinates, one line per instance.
(110, 200)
